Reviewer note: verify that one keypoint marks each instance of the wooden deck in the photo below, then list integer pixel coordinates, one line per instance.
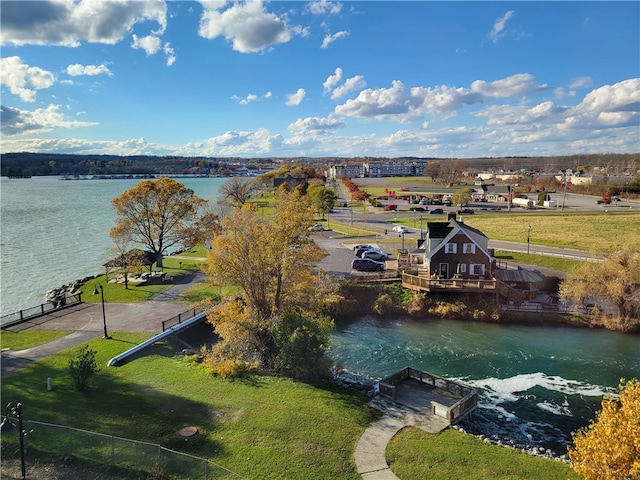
(424, 283)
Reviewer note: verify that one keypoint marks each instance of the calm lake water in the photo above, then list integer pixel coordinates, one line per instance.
(54, 232)
(537, 383)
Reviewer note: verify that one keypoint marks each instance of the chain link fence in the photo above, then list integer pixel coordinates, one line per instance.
(49, 440)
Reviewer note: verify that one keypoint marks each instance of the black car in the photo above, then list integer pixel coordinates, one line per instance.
(437, 211)
(465, 211)
(367, 265)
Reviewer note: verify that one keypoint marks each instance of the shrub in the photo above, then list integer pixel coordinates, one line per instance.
(225, 367)
(82, 367)
(384, 304)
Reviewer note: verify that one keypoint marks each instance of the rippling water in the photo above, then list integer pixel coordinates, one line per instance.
(54, 232)
(537, 384)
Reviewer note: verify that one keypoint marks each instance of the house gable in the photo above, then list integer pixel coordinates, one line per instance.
(463, 251)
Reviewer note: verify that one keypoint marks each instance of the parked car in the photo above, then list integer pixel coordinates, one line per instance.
(391, 206)
(317, 228)
(465, 211)
(362, 245)
(360, 253)
(367, 265)
(375, 255)
(437, 211)
(400, 229)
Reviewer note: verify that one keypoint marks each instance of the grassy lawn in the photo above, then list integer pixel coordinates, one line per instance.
(259, 427)
(555, 263)
(14, 340)
(116, 292)
(451, 455)
(589, 232)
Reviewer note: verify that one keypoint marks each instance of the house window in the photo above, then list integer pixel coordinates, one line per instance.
(462, 268)
(451, 248)
(476, 269)
(469, 248)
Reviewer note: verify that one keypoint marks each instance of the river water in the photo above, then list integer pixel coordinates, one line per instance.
(537, 383)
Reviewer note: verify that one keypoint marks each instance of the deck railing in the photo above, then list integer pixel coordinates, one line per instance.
(419, 282)
(468, 396)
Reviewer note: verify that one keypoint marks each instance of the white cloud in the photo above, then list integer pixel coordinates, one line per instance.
(313, 125)
(18, 122)
(22, 79)
(169, 54)
(581, 82)
(324, 7)
(329, 39)
(250, 98)
(609, 106)
(76, 69)
(349, 85)
(332, 80)
(295, 99)
(248, 26)
(398, 104)
(151, 44)
(497, 31)
(69, 23)
(235, 143)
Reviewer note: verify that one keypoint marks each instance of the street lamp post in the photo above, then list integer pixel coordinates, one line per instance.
(7, 426)
(104, 316)
(402, 234)
(528, 238)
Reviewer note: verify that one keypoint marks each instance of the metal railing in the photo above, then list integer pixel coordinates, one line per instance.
(45, 440)
(39, 311)
(178, 319)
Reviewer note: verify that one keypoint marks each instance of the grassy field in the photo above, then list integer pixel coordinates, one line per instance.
(15, 340)
(116, 292)
(259, 427)
(414, 454)
(589, 232)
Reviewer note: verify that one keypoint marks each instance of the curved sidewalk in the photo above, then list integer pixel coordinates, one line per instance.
(370, 450)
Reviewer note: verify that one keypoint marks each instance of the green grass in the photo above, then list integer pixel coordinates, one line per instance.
(116, 292)
(589, 232)
(451, 455)
(20, 340)
(546, 261)
(198, 251)
(259, 427)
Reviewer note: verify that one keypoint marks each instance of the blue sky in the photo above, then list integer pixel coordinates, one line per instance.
(320, 78)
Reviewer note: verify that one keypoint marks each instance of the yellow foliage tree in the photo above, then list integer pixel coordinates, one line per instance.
(609, 448)
(614, 281)
(271, 261)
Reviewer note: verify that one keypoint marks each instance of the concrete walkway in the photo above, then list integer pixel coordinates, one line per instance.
(86, 322)
(369, 456)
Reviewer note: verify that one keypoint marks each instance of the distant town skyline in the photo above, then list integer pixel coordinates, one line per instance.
(320, 79)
